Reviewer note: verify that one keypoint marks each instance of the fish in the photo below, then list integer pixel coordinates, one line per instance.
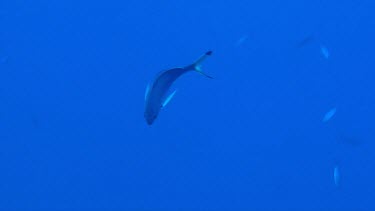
(305, 41)
(241, 40)
(324, 51)
(156, 96)
(336, 175)
(350, 140)
(329, 115)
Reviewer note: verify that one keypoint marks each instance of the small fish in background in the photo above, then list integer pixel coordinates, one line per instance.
(156, 96)
(241, 40)
(336, 175)
(309, 39)
(328, 116)
(324, 51)
(352, 141)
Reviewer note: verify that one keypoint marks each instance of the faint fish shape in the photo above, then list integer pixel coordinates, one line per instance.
(156, 96)
(324, 51)
(329, 115)
(306, 41)
(336, 176)
(241, 40)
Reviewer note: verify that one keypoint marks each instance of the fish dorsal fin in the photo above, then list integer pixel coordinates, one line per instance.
(147, 91)
(168, 99)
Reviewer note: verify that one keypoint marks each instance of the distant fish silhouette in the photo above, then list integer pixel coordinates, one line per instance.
(349, 140)
(309, 39)
(241, 40)
(156, 92)
(324, 51)
(336, 175)
(306, 41)
(329, 115)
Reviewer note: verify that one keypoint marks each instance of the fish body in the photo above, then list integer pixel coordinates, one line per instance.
(156, 96)
(336, 176)
(306, 41)
(324, 51)
(241, 40)
(329, 115)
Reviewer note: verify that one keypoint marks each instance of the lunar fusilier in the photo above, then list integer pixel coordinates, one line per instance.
(156, 96)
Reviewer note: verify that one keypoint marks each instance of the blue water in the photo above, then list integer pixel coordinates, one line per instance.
(72, 81)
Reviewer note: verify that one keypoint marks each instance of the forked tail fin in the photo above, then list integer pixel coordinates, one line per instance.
(202, 58)
(197, 64)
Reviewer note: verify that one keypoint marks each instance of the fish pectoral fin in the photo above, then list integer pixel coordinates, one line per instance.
(208, 76)
(198, 68)
(168, 99)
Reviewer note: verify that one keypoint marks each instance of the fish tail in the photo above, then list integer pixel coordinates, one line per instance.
(197, 64)
(202, 58)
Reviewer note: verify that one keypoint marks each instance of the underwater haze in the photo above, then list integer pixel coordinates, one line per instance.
(286, 123)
